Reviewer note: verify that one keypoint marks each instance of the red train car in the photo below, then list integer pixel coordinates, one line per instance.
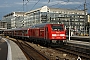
(21, 33)
(18, 32)
(48, 33)
(44, 33)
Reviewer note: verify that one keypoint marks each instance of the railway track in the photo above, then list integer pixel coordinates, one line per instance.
(84, 53)
(52, 54)
(30, 52)
(68, 49)
(80, 38)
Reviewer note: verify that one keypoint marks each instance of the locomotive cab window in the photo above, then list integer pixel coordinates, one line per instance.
(59, 28)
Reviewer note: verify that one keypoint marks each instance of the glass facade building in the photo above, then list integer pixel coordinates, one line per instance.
(73, 18)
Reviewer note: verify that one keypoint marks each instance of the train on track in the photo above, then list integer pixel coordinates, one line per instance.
(44, 33)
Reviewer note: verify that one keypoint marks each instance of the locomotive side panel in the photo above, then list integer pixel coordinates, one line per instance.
(41, 33)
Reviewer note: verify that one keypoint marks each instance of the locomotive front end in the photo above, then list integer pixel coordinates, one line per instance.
(58, 34)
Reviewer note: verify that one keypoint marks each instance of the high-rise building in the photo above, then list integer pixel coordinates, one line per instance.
(13, 19)
(73, 18)
(69, 17)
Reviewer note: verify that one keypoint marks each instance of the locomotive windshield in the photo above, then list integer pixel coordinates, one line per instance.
(60, 28)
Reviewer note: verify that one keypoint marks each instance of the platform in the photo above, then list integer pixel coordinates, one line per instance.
(11, 51)
(3, 50)
(80, 38)
(79, 43)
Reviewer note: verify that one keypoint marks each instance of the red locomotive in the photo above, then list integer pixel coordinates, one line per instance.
(43, 33)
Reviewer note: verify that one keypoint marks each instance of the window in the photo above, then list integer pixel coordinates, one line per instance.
(60, 28)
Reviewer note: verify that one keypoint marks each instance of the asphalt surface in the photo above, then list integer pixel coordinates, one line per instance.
(3, 50)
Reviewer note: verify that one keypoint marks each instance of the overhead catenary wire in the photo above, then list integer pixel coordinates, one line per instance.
(59, 3)
(67, 2)
(88, 4)
(35, 4)
(81, 5)
(25, 2)
(55, 4)
(77, 7)
(47, 2)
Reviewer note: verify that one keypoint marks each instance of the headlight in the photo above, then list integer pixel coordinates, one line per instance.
(53, 34)
(62, 34)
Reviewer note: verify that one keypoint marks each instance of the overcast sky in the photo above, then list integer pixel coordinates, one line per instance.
(8, 6)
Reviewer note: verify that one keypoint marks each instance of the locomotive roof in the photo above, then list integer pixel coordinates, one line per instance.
(16, 29)
(40, 25)
(34, 26)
